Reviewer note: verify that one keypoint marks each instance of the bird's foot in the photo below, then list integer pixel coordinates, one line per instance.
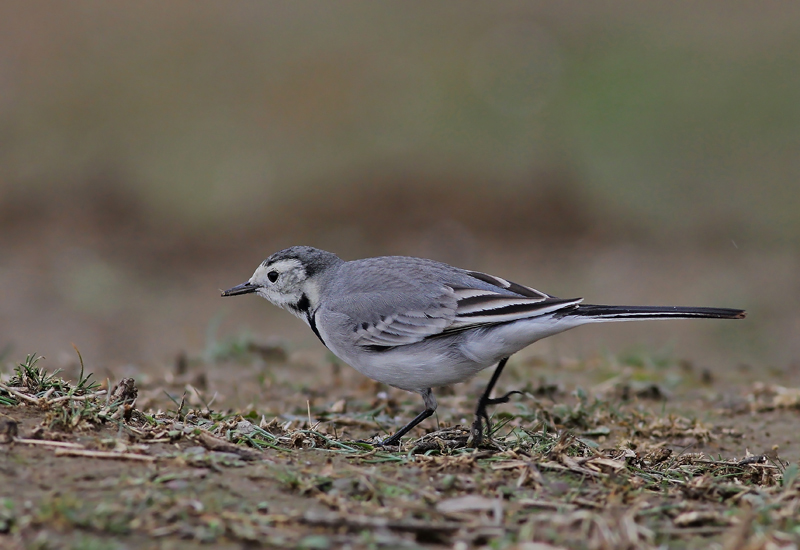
(481, 415)
(388, 442)
(476, 433)
(499, 400)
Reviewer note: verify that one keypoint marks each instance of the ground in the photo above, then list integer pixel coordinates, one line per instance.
(612, 452)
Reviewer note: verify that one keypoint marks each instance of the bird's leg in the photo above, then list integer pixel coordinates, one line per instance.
(480, 411)
(430, 407)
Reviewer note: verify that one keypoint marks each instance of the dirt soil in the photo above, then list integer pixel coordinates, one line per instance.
(610, 452)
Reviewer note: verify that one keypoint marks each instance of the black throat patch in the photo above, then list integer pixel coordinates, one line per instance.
(303, 306)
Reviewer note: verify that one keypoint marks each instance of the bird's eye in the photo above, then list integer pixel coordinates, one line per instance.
(272, 276)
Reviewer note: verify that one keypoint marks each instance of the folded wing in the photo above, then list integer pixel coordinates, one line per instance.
(460, 307)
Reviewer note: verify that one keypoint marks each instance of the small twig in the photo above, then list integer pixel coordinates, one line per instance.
(22, 396)
(75, 397)
(213, 443)
(105, 454)
(587, 503)
(131, 429)
(311, 426)
(49, 443)
(213, 398)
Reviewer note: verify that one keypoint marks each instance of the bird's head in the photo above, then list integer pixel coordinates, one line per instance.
(290, 278)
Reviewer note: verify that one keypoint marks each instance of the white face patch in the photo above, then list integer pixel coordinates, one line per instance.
(288, 288)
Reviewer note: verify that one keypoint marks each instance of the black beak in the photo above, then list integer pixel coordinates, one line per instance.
(244, 288)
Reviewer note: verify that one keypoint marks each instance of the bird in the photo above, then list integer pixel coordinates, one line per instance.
(418, 324)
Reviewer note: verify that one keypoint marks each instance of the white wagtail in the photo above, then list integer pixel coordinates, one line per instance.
(418, 324)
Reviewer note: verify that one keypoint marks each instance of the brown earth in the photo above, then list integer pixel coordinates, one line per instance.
(307, 493)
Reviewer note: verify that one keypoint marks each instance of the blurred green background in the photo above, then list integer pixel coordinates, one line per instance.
(640, 152)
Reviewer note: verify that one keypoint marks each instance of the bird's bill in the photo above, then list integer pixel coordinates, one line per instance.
(244, 288)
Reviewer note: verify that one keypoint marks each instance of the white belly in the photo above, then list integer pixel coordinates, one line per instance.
(445, 360)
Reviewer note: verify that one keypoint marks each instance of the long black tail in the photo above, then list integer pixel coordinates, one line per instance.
(610, 313)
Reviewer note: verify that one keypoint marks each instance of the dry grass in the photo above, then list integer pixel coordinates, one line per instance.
(85, 467)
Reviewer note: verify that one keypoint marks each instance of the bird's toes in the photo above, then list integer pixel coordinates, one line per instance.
(504, 399)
